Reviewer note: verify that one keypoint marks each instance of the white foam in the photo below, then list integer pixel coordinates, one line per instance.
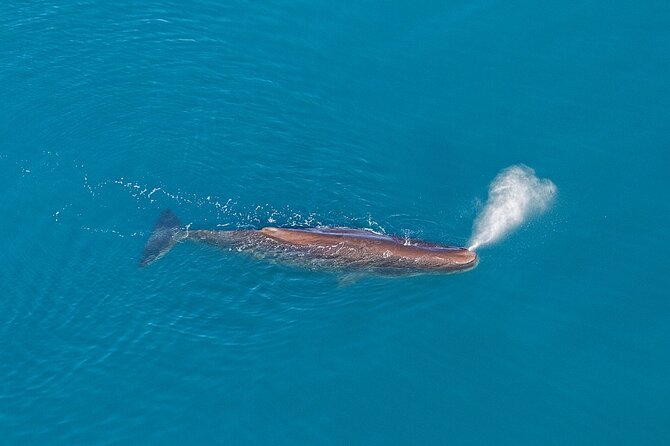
(515, 194)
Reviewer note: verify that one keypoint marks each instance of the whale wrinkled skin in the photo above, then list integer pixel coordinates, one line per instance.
(322, 248)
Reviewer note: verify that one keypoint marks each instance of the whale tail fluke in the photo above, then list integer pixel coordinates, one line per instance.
(163, 237)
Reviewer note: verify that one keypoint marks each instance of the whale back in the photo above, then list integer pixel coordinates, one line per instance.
(365, 245)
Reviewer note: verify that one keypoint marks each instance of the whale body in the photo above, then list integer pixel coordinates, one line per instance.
(322, 248)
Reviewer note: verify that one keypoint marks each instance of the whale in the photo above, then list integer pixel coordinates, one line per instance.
(328, 248)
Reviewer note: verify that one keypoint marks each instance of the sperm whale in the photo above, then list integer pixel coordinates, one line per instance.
(325, 248)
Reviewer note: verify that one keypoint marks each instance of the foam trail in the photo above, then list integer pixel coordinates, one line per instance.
(514, 195)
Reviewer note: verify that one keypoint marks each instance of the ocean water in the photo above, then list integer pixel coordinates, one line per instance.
(388, 115)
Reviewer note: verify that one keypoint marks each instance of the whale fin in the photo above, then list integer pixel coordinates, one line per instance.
(163, 237)
(348, 279)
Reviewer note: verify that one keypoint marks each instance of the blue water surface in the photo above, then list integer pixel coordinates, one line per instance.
(389, 115)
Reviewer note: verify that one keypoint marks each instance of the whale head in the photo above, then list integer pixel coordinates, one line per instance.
(455, 260)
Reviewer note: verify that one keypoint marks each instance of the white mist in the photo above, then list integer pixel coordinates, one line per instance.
(514, 195)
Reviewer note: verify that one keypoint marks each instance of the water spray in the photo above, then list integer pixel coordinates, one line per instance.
(515, 195)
